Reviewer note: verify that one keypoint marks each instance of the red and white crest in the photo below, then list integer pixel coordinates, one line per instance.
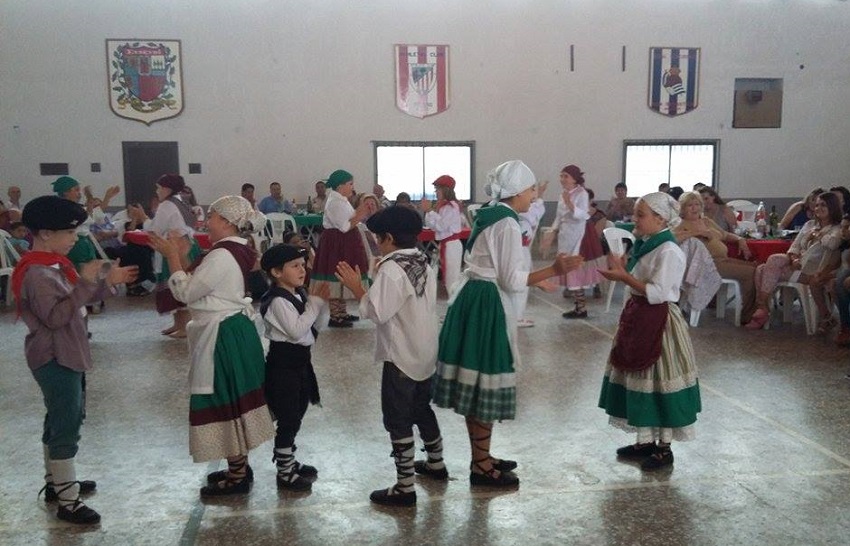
(422, 79)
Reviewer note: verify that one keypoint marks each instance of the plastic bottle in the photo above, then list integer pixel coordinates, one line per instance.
(773, 221)
(761, 219)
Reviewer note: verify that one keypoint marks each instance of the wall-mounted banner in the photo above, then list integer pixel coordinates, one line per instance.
(673, 79)
(422, 79)
(145, 79)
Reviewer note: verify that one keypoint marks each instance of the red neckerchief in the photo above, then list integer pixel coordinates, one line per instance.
(38, 257)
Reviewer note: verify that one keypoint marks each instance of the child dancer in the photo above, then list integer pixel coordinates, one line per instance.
(341, 241)
(402, 303)
(292, 320)
(50, 295)
(446, 223)
(478, 355)
(529, 221)
(650, 383)
(227, 409)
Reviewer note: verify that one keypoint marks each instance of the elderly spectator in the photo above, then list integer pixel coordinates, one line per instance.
(800, 212)
(620, 207)
(378, 191)
(321, 197)
(274, 202)
(715, 208)
(814, 255)
(14, 203)
(694, 224)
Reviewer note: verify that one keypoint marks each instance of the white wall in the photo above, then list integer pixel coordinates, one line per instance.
(292, 90)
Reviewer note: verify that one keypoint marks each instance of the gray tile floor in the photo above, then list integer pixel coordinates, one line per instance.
(771, 464)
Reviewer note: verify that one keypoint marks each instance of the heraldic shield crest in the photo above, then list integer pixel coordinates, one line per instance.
(673, 80)
(145, 79)
(422, 79)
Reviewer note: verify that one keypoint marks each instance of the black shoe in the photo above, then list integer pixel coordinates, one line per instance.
(226, 487)
(658, 460)
(575, 314)
(490, 479)
(82, 515)
(306, 470)
(636, 451)
(352, 318)
(221, 475)
(393, 497)
(86, 487)
(336, 323)
(421, 467)
(504, 465)
(297, 483)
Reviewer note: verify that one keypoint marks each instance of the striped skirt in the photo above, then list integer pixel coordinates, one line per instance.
(235, 418)
(663, 396)
(475, 367)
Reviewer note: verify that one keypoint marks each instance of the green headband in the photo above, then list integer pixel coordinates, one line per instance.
(63, 184)
(338, 178)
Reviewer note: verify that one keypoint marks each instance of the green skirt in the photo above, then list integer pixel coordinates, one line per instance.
(475, 367)
(665, 395)
(234, 418)
(83, 251)
(165, 274)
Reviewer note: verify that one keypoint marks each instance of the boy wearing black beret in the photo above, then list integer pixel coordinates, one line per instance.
(292, 320)
(50, 294)
(402, 304)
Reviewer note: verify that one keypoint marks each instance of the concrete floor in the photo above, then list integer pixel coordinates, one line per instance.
(770, 465)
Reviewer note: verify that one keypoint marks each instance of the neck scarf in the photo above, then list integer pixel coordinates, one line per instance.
(244, 255)
(415, 266)
(38, 257)
(486, 217)
(645, 246)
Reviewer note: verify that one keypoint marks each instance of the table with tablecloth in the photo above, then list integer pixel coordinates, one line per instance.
(761, 249)
(139, 237)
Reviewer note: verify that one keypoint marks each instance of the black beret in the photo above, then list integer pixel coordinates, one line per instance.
(397, 220)
(54, 213)
(278, 255)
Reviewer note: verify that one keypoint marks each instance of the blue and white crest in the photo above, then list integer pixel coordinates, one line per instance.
(673, 79)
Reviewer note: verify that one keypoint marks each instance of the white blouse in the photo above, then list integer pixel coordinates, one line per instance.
(166, 219)
(284, 323)
(530, 220)
(446, 221)
(817, 254)
(581, 209)
(338, 212)
(496, 255)
(662, 271)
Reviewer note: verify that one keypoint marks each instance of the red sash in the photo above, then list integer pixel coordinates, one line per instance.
(638, 342)
(452, 237)
(38, 257)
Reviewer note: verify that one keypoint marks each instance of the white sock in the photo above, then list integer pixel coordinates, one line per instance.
(65, 482)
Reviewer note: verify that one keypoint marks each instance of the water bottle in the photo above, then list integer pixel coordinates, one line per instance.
(761, 219)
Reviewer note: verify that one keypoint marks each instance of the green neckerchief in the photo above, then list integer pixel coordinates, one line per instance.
(486, 217)
(645, 246)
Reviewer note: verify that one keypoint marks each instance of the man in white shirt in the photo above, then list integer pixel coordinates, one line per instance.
(14, 203)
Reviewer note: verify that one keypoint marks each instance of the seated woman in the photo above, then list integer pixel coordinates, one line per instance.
(620, 208)
(693, 224)
(715, 209)
(800, 212)
(814, 254)
(842, 289)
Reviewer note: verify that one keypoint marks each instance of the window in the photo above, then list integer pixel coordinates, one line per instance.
(648, 163)
(411, 167)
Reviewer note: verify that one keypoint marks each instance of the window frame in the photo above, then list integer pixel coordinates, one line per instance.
(677, 142)
(428, 144)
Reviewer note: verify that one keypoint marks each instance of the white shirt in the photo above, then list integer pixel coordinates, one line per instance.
(407, 331)
(338, 212)
(445, 222)
(530, 220)
(167, 218)
(283, 323)
(497, 256)
(662, 271)
(120, 220)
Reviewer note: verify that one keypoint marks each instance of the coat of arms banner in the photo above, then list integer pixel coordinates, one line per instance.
(673, 79)
(145, 79)
(422, 79)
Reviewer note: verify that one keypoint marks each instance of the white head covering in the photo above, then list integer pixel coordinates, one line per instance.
(509, 179)
(662, 204)
(238, 211)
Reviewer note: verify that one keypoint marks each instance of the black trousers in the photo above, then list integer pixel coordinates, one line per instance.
(406, 402)
(290, 387)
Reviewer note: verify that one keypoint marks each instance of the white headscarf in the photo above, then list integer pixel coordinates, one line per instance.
(662, 204)
(509, 179)
(238, 211)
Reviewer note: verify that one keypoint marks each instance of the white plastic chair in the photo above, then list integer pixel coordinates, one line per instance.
(732, 292)
(615, 236)
(8, 258)
(789, 290)
(101, 255)
(746, 208)
(471, 211)
(278, 222)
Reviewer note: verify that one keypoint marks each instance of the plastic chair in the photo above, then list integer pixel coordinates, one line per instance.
(277, 222)
(471, 211)
(732, 293)
(746, 208)
(101, 255)
(789, 290)
(8, 258)
(614, 236)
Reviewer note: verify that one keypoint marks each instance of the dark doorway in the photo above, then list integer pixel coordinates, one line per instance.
(144, 163)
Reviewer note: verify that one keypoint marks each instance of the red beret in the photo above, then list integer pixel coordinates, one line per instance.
(446, 181)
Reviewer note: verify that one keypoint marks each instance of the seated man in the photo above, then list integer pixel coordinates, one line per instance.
(275, 202)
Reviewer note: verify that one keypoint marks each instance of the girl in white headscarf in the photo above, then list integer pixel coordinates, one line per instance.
(477, 358)
(650, 384)
(227, 409)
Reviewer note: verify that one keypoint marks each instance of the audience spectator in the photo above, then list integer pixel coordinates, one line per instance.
(664, 187)
(842, 289)
(378, 190)
(843, 195)
(676, 192)
(248, 193)
(620, 207)
(188, 197)
(813, 256)
(14, 193)
(715, 208)
(19, 233)
(800, 212)
(698, 186)
(131, 253)
(694, 224)
(275, 202)
(321, 197)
